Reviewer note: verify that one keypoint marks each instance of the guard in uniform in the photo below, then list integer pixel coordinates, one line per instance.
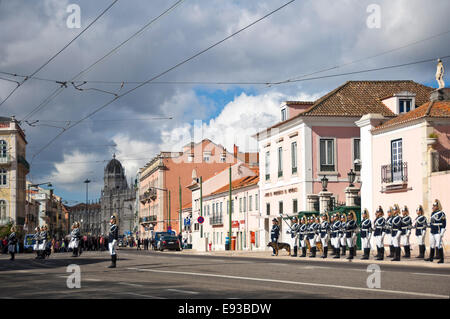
(294, 235)
(366, 234)
(311, 237)
(324, 228)
(335, 229)
(388, 231)
(396, 232)
(43, 241)
(379, 231)
(350, 228)
(342, 240)
(274, 233)
(302, 234)
(420, 224)
(75, 236)
(12, 242)
(438, 224)
(36, 241)
(112, 241)
(406, 232)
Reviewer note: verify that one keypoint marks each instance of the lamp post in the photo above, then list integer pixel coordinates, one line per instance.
(87, 181)
(351, 177)
(324, 181)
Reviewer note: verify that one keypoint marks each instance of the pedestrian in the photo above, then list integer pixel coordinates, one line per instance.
(366, 233)
(323, 230)
(36, 239)
(138, 244)
(5, 245)
(335, 239)
(12, 242)
(43, 237)
(438, 224)
(113, 238)
(350, 227)
(396, 232)
(274, 234)
(420, 225)
(180, 240)
(75, 237)
(379, 232)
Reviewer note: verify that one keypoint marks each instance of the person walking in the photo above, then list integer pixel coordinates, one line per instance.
(12, 242)
(112, 240)
(274, 233)
(366, 233)
(379, 224)
(406, 232)
(420, 225)
(438, 224)
(75, 237)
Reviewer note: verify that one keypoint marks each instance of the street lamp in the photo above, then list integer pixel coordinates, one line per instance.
(324, 181)
(87, 181)
(351, 177)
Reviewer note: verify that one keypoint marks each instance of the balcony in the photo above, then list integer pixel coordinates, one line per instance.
(216, 220)
(394, 176)
(148, 196)
(147, 219)
(5, 159)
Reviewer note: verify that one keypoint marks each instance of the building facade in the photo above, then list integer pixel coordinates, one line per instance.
(13, 171)
(117, 198)
(89, 216)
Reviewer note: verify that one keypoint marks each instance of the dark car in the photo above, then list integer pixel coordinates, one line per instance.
(157, 238)
(168, 242)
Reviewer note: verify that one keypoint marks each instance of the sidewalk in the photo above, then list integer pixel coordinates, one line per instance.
(357, 259)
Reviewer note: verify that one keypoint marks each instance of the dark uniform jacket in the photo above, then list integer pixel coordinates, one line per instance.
(302, 231)
(388, 228)
(75, 234)
(12, 241)
(406, 224)
(379, 224)
(366, 227)
(350, 227)
(420, 225)
(324, 228)
(113, 233)
(335, 229)
(437, 222)
(294, 230)
(396, 225)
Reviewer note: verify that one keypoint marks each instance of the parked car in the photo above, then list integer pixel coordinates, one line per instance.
(157, 238)
(168, 242)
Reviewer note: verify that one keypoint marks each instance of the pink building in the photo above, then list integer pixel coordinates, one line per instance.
(406, 159)
(317, 139)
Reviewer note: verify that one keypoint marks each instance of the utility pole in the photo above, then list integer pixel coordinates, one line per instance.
(170, 226)
(201, 205)
(181, 213)
(230, 212)
(87, 181)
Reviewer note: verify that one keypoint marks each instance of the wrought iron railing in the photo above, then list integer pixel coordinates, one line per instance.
(216, 220)
(397, 172)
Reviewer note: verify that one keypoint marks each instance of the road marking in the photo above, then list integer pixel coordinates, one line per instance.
(139, 295)
(425, 274)
(91, 279)
(130, 284)
(294, 283)
(184, 291)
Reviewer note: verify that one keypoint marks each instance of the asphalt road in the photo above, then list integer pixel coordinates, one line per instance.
(156, 275)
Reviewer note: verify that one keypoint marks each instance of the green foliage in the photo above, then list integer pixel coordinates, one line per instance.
(433, 135)
(5, 230)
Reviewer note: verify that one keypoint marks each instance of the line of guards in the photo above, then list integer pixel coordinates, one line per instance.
(342, 232)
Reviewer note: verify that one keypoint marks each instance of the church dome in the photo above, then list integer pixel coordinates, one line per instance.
(114, 166)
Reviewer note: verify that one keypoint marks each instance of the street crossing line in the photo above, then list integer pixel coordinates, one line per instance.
(129, 284)
(425, 274)
(183, 291)
(139, 295)
(375, 290)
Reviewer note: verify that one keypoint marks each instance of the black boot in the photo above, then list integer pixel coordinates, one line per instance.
(391, 251)
(333, 252)
(441, 255)
(303, 252)
(408, 252)
(421, 251)
(295, 251)
(113, 261)
(397, 254)
(75, 253)
(337, 253)
(12, 256)
(380, 253)
(431, 255)
(325, 252)
(344, 248)
(366, 254)
(313, 252)
(350, 253)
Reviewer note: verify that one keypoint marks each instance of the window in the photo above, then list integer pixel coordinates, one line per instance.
(283, 115)
(357, 153)
(220, 208)
(3, 176)
(250, 202)
(327, 155)
(405, 106)
(3, 209)
(256, 202)
(240, 205)
(294, 157)
(3, 148)
(268, 208)
(213, 209)
(191, 158)
(280, 161)
(223, 158)
(280, 207)
(267, 166)
(397, 159)
(245, 204)
(294, 206)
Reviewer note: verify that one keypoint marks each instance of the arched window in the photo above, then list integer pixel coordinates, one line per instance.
(3, 148)
(3, 209)
(3, 176)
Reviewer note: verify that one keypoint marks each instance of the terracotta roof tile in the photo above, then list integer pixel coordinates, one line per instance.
(240, 183)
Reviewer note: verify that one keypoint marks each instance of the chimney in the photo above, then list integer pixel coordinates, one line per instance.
(235, 150)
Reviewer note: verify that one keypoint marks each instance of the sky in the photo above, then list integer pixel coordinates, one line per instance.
(304, 37)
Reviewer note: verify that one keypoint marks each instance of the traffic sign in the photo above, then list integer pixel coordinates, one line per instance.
(200, 220)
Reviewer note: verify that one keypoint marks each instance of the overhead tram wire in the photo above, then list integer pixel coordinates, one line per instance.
(60, 51)
(89, 68)
(163, 73)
